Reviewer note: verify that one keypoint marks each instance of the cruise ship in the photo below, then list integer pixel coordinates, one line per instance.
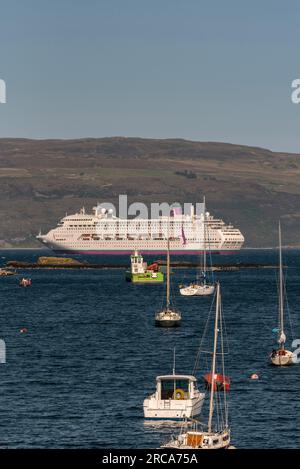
(101, 232)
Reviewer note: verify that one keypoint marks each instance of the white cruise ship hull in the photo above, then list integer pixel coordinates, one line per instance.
(126, 248)
(127, 252)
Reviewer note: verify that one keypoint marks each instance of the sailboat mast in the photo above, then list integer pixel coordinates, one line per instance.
(281, 306)
(213, 371)
(204, 241)
(168, 274)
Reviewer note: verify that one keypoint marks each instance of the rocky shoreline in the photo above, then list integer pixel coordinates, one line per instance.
(174, 265)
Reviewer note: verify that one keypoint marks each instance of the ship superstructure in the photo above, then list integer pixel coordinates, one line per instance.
(103, 233)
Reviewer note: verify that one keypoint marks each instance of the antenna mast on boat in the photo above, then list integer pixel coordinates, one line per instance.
(174, 360)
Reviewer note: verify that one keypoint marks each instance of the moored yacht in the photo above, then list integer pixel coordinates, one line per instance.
(176, 398)
(25, 282)
(168, 317)
(201, 286)
(217, 435)
(281, 356)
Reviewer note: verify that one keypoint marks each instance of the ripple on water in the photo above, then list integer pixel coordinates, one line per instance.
(79, 376)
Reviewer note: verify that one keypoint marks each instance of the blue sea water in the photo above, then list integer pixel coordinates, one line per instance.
(78, 378)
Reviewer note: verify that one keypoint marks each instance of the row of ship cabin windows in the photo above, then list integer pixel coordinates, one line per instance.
(131, 236)
(125, 224)
(112, 233)
(135, 223)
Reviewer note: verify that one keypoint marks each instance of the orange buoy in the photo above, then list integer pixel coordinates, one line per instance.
(222, 382)
(23, 330)
(254, 376)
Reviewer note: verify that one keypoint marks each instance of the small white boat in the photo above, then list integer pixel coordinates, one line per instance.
(25, 282)
(280, 356)
(200, 287)
(219, 436)
(195, 289)
(168, 317)
(176, 398)
(199, 439)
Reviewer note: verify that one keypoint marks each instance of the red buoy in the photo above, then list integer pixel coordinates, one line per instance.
(221, 382)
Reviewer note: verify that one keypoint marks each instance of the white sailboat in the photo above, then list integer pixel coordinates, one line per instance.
(281, 356)
(168, 317)
(200, 288)
(217, 437)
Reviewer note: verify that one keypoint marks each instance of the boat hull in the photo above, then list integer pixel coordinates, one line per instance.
(144, 278)
(180, 410)
(197, 290)
(197, 440)
(120, 252)
(167, 323)
(280, 359)
(168, 318)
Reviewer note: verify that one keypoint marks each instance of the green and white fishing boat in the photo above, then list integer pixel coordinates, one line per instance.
(141, 273)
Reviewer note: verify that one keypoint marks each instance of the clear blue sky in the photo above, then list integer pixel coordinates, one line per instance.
(202, 70)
